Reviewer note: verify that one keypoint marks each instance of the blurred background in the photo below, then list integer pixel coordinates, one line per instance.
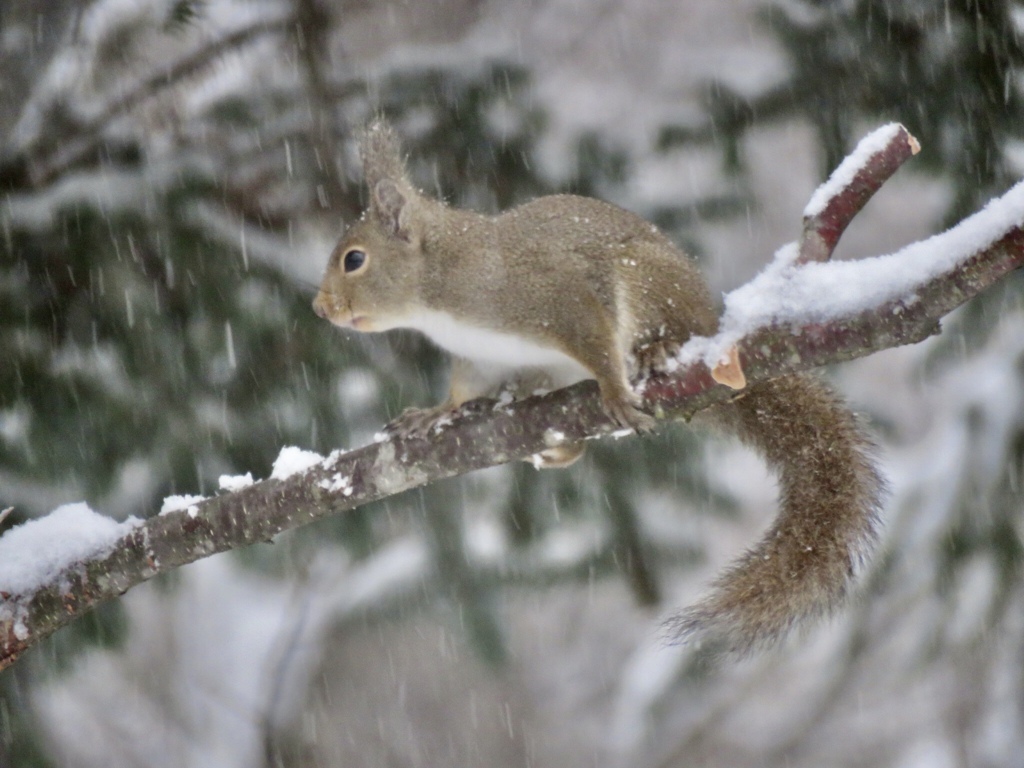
(173, 174)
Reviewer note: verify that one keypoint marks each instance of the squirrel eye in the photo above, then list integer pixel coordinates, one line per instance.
(354, 259)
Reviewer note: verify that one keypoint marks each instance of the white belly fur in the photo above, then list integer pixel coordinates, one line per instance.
(494, 349)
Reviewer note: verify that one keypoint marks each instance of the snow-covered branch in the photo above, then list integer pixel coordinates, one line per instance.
(800, 313)
(835, 203)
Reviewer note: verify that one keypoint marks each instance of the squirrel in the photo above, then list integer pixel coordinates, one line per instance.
(566, 288)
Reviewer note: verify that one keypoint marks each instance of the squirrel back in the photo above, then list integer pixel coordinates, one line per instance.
(564, 288)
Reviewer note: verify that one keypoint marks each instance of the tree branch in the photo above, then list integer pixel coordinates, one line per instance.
(976, 254)
(848, 189)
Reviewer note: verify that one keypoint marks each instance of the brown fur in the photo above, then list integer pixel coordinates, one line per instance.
(830, 495)
(605, 289)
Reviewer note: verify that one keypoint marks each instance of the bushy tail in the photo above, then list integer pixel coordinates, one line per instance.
(827, 525)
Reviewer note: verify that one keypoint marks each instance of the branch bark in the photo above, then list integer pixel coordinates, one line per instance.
(487, 433)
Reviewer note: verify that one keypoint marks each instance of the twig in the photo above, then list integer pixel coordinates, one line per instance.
(877, 157)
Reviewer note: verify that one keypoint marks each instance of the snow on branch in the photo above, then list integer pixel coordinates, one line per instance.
(798, 314)
(834, 204)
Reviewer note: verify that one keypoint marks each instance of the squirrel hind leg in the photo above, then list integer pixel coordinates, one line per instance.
(558, 457)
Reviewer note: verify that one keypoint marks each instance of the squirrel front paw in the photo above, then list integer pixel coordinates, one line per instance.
(624, 412)
(417, 422)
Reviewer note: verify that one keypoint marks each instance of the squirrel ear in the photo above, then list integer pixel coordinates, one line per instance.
(391, 207)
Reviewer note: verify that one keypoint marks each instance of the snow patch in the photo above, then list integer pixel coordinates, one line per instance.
(233, 483)
(185, 502)
(291, 461)
(334, 458)
(554, 437)
(339, 483)
(34, 553)
(847, 171)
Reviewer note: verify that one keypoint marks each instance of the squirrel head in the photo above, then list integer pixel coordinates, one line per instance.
(373, 275)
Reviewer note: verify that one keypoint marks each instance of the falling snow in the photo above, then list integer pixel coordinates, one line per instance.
(245, 646)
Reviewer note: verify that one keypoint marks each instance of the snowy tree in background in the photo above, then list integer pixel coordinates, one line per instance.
(174, 173)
